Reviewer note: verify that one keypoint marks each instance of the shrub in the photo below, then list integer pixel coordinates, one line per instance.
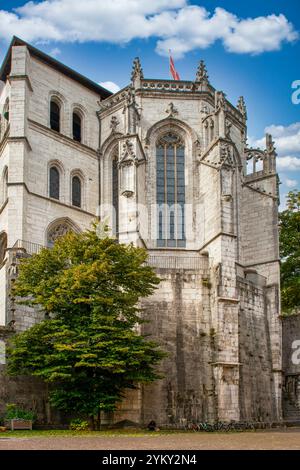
(13, 412)
(79, 425)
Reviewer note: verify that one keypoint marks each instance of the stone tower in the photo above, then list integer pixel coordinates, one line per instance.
(166, 162)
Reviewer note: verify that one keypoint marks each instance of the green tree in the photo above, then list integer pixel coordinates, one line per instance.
(290, 253)
(89, 347)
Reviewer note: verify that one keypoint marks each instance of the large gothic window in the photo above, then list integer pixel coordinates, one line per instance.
(54, 116)
(77, 127)
(115, 194)
(54, 183)
(76, 191)
(170, 191)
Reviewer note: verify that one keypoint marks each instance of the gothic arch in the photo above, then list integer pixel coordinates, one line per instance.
(109, 151)
(4, 185)
(109, 143)
(58, 228)
(3, 246)
(171, 124)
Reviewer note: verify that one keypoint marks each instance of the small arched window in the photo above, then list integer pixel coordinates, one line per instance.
(54, 116)
(77, 127)
(76, 191)
(54, 183)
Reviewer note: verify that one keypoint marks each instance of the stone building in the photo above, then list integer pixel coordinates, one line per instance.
(167, 164)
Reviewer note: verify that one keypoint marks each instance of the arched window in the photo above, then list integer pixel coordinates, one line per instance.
(54, 183)
(77, 131)
(76, 191)
(115, 194)
(3, 246)
(54, 116)
(170, 191)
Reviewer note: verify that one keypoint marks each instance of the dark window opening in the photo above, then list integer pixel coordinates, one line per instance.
(54, 116)
(54, 183)
(76, 191)
(76, 127)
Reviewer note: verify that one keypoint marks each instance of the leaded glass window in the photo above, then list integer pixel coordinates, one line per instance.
(115, 194)
(54, 183)
(170, 191)
(76, 191)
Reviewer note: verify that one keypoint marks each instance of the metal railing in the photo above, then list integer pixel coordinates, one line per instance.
(178, 262)
(29, 247)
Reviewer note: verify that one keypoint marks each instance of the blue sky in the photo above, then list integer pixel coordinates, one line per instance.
(250, 48)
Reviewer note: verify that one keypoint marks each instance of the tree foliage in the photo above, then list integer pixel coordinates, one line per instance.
(89, 347)
(290, 253)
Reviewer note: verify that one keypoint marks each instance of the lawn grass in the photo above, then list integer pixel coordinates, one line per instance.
(69, 433)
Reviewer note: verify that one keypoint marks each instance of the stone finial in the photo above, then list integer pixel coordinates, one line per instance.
(270, 144)
(201, 74)
(137, 71)
(241, 106)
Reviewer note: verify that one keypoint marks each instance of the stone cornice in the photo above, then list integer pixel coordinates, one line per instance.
(15, 78)
(55, 201)
(62, 138)
(247, 185)
(19, 139)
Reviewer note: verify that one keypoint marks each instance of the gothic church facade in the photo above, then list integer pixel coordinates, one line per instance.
(166, 163)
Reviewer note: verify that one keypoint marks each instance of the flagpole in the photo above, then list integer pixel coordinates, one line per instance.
(170, 75)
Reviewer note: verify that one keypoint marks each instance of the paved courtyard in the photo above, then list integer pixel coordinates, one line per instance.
(259, 440)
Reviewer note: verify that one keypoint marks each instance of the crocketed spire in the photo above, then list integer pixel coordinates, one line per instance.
(201, 74)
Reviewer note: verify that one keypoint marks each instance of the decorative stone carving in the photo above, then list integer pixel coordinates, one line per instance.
(114, 123)
(219, 100)
(171, 110)
(241, 106)
(58, 231)
(228, 126)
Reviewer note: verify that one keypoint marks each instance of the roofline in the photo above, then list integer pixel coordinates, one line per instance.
(86, 82)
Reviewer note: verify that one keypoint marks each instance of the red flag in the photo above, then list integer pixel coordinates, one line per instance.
(173, 71)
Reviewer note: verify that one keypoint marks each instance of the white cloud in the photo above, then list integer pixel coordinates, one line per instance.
(290, 183)
(111, 86)
(175, 23)
(288, 163)
(55, 52)
(287, 142)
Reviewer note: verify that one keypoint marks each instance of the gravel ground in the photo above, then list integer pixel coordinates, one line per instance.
(259, 440)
